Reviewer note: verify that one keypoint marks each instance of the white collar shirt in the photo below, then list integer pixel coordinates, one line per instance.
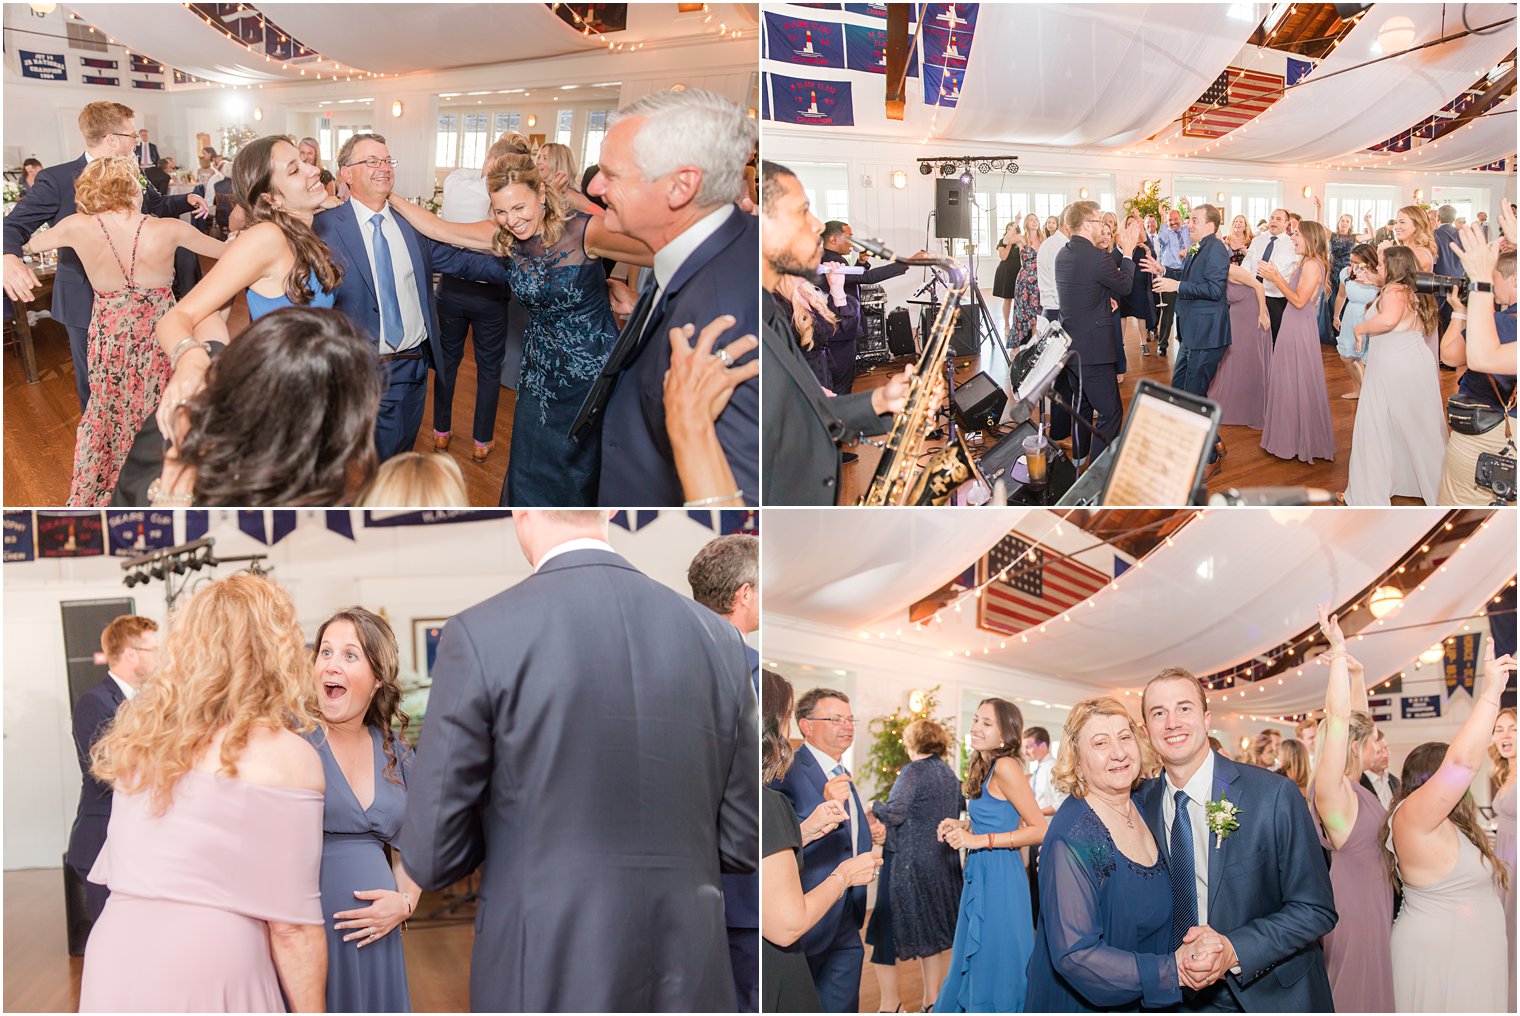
(413, 320)
(1045, 269)
(126, 689)
(1197, 789)
(1045, 793)
(1381, 787)
(1283, 256)
(828, 765)
(465, 197)
(580, 543)
(669, 258)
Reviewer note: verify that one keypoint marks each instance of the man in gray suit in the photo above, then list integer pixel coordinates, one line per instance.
(591, 742)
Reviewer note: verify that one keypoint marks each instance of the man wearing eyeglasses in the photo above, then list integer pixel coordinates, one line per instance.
(130, 644)
(109, 129)
(833, 946)
(387, 285)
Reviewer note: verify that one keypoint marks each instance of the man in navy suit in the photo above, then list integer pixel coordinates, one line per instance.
(671, 170)
(1203, 310)
(387, 285)
(1255, 900)
(1088, 281)
(833, 947)
(131, 647)
(109, 128)
(1447, 262)
(725, 578)
(146, 151)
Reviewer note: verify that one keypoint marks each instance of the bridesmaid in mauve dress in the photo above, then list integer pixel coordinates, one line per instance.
(1502, 751)
(214, 904)
(1298, 404)
(1350, 821)
(1398, 444)
(1240, 385)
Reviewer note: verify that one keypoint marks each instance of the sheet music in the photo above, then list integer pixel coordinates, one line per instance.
(1158, 461)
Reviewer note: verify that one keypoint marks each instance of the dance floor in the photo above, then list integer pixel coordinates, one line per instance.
(1246, 464)
(41, 420)
(41, 976)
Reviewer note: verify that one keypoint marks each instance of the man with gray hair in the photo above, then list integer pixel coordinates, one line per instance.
(671, 170)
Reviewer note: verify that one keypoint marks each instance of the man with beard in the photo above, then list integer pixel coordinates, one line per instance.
(805, 427)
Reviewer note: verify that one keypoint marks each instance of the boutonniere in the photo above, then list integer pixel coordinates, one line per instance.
(142, 179)
(1193, 250)
(1221, 818)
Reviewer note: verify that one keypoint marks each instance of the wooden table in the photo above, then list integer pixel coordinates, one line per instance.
(23, 327)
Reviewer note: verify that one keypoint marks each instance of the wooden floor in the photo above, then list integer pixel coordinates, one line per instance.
(1245, 465)
(41, 976)
(910, 984)
(41, 421)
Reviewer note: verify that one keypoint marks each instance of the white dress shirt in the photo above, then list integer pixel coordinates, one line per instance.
(1198, 789)
(1045, 793)
(1381, 787)
(828, 765)
(126, 689)
(1283, 256)
(413, 320)
(1045, 269)
(465, 197)
(669, 258)
(579, 543)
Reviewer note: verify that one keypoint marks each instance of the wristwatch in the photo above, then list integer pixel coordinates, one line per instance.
(1482, 287)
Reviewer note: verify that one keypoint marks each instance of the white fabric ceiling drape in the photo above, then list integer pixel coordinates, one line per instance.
(1092, 74)
(1484, 140)
(173, 35)
(1324, 117)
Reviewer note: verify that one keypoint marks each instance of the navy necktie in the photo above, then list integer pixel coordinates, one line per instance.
(385, 282)
(1266, 255)
(1184, 876)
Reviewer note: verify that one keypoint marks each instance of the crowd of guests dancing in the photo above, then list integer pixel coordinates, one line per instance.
(347, 327)
(1251, 309)
(257, 827)
(1168, 874)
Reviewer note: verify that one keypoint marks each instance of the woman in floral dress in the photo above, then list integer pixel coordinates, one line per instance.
(129, 260)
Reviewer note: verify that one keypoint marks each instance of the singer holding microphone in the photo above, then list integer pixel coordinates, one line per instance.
(804, 424)
(844, 292)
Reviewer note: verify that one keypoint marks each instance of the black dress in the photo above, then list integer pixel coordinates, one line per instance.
(786, 982)
(1007, 273)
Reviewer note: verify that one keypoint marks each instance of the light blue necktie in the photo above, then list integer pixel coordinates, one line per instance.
(385, 281)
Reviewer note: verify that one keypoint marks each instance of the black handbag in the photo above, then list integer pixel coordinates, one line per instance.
(1471, 416)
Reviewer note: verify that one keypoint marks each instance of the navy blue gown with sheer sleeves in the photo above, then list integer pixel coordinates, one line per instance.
(569, 336)
(1103, 941)
(372, 979)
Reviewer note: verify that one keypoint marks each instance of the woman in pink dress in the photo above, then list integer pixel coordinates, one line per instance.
(1298, 404)
(215, 842)
(1240, 385)
(1358, 954)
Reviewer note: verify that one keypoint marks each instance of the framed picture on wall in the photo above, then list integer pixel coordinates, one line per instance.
(426, 633)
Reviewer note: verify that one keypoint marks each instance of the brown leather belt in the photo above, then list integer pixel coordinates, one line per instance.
(388, 357)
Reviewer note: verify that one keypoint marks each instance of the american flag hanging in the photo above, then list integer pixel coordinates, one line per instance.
(1236, 97)
(1035, 590)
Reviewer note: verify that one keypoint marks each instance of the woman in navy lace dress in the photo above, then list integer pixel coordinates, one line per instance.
(555, 272)
(1104, 940)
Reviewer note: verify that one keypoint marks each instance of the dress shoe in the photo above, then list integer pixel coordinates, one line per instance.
(849, 457)
(1213, 469)
(1220, 451)
(441, 440)
(481, 452)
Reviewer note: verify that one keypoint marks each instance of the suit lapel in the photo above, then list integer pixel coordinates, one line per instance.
(113, 690)
(353, 241)
(1225, 772)
(420, 272)
(810, 768)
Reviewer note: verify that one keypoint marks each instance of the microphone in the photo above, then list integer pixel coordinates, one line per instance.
(1270, 496)
(875, 248)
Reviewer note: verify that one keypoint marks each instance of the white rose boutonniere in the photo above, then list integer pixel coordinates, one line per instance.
(1222, 818)
(1192, 250)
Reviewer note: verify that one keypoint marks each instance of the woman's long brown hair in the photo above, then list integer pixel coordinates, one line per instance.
(378, 643)
(1011, 729)
(253, 188)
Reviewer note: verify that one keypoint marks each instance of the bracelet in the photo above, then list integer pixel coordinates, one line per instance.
(180, 350)
(1458, 316)
(160, 498)
(715, 499)
(844, 884)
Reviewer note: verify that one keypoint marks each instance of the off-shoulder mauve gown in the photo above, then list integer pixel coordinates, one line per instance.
(192, 891)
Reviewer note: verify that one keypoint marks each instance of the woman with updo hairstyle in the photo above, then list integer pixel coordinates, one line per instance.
(128, 257)
(319, 371)
(216, 821)
(993, 930)
(366, 760)
(920, 890)
(1104, 937)
(276, 261)
(786, 911)
(553, 268)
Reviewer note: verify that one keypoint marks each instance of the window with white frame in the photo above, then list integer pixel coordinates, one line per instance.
(827, 186)
(564, 126)
(596, 130)
(507, 122)
(477, 138)
(1358, 202)
(446, 147)
(331, 138)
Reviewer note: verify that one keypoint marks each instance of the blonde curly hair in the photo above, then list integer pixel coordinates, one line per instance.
(1064, 775)
(512, 169)
(108, 185)
(235, 660)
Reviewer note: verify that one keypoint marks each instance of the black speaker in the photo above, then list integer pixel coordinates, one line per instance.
(900, 333)
(952, 209)
(83, 621)
(979, 402)
(965, 340)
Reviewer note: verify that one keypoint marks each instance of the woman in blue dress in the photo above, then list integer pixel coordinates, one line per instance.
(1351, 309)
(1104, 939)
(555, 272)
(365, 899)
(994, 931)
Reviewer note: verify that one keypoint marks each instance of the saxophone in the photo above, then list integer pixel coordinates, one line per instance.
(901, 477)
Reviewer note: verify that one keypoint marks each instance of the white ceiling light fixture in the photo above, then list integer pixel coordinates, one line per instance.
(258, 114)
(1385, 601)
(1396, 35)
(1435, 654)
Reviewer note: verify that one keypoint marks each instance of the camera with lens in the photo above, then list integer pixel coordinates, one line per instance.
(1497, 473)
(1432, 284)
